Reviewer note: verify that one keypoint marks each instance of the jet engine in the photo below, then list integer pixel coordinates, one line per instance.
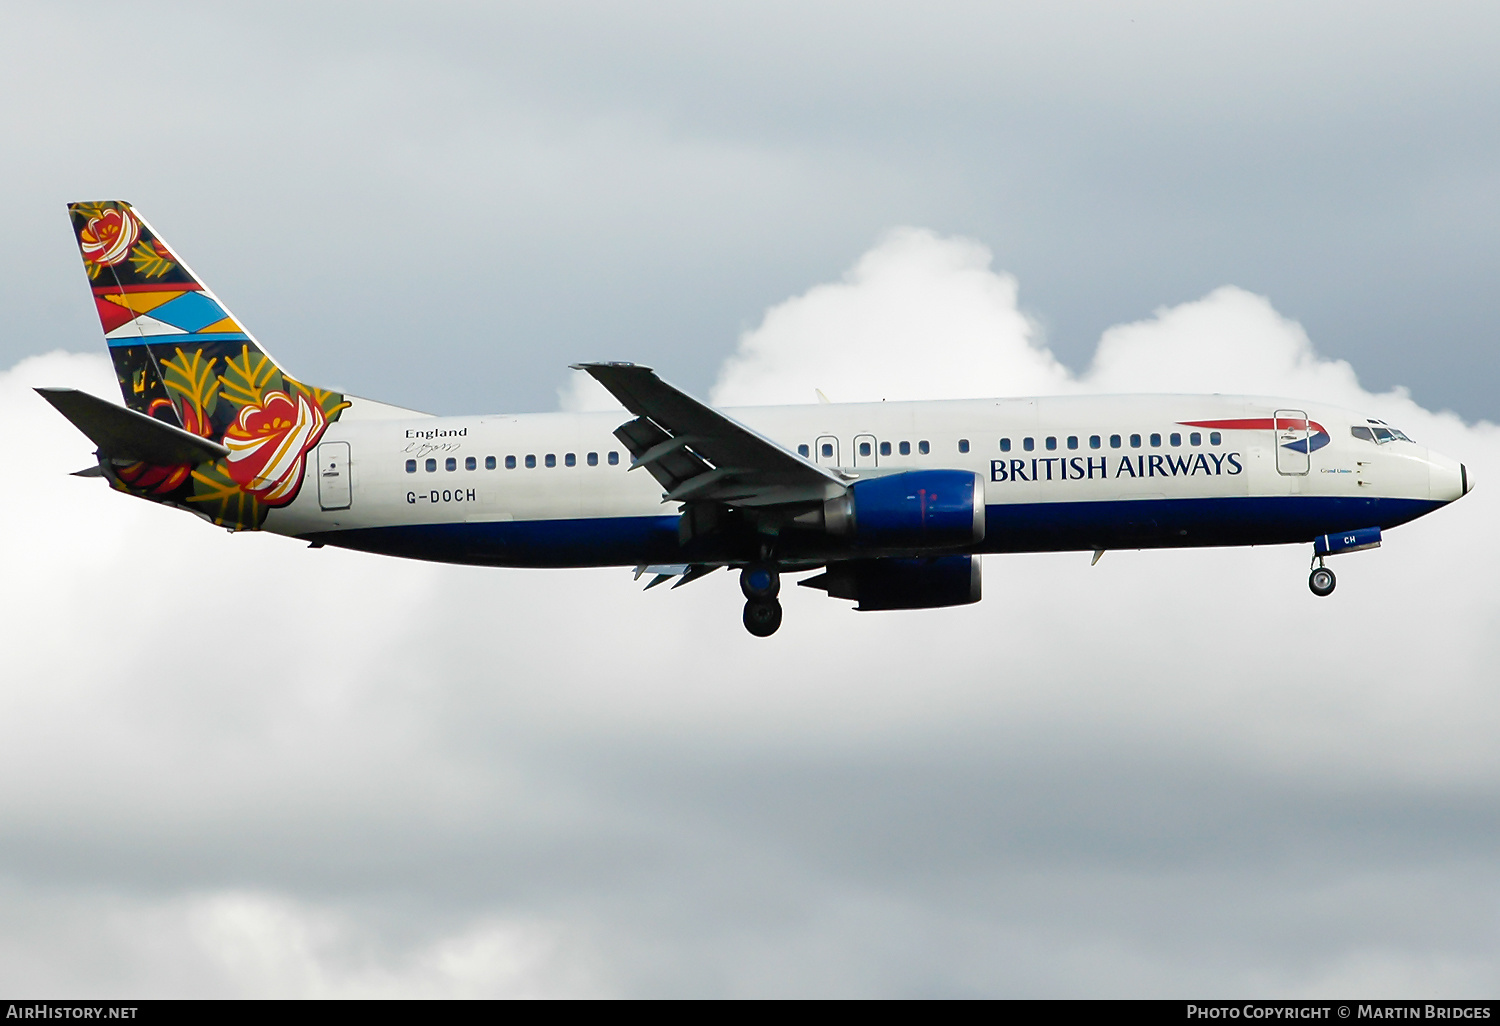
(902, 583)
(914, 510)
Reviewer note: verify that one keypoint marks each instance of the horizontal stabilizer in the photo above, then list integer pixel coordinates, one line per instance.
(123, 434)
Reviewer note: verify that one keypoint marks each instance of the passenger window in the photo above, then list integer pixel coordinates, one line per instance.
(923, 447)
(803, 451)
(450, 464)
(530, 461)
(827, 450)
(1072, 441)
(885, 448)
(470, 463)
(963, 445)
(864, 449)
(489, 463)
(1005, 445)
(1214, 438)
(1155, 440)
(1135, 441)
(510, 463)
(1114, 441)
(905, 448)
(593, 459)
(411, 466)
(571, 460)
(1051, 443)
(614, 458)
(551, 460)
(1358, 431)
(1094, 442)
(1029, 444)
(1176, 439)
(1195, 438)
(431, 466)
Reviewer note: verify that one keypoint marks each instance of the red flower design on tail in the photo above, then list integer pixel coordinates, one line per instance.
(107, 238)
(164, 480)
(268, 442)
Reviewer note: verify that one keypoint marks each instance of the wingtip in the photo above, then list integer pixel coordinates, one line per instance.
(599, 364)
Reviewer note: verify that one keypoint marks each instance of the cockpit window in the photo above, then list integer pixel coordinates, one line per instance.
(1379, 431)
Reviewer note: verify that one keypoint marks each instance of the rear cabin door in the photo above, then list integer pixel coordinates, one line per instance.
(1293, 455)
(827, 451)
(864, 451)
(333, 475)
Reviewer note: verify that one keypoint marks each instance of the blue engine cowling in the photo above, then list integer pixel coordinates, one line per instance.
(902, 583)
(914, 510)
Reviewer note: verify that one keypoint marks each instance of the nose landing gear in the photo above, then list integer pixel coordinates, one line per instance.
(1321, 580)
(761, 583)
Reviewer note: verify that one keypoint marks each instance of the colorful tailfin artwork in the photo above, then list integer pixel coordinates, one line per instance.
(182, 358)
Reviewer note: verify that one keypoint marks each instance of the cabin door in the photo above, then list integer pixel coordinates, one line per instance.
(1293, 453)
(864, 451)
(333, 475)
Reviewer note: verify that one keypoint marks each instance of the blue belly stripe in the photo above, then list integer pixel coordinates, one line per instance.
(1009, 527)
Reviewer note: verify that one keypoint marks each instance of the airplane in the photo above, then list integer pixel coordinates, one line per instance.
(892, 503)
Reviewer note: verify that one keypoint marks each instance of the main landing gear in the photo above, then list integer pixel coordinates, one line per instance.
(1321, 580)
(761, 583)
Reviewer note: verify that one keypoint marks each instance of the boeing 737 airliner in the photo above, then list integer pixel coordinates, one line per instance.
(891, 501)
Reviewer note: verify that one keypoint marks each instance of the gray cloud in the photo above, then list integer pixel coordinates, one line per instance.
(236, 765)
(506, 190)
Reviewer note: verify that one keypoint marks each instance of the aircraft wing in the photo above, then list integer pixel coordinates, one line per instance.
(698, 454)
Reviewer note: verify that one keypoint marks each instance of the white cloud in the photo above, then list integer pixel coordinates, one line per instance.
(319, 772)
(916, 317)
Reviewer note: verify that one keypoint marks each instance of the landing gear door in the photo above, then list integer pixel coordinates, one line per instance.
(1293, 452)
(864, 451)
(333, 475)
(827, 451)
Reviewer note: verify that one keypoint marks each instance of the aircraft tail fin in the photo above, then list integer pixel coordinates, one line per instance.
(182, 358)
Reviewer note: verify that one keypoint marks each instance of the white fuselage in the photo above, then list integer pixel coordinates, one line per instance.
(1059, 473)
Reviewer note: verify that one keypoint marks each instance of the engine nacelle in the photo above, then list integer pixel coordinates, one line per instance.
(914, 510)
(902, 583)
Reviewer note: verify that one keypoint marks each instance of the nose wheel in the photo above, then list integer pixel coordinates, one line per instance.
(1321, 581)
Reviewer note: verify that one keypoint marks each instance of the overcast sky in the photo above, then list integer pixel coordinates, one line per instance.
(234, 765)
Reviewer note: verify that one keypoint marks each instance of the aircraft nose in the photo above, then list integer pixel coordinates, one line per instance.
(1448, 479)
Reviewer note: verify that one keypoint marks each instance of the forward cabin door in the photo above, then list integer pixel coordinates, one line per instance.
(1291, 430)
(333, 475)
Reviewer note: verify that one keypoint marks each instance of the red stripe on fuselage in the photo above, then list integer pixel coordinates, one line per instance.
(1257, 424)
